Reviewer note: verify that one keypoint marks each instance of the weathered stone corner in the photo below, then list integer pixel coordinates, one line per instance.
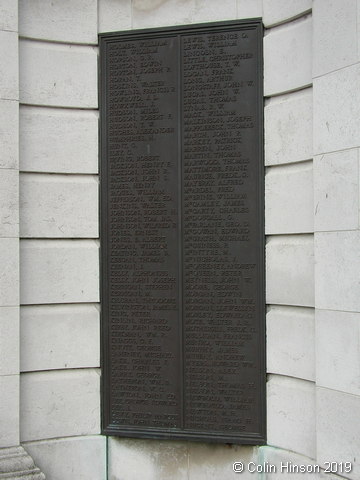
(16, 463)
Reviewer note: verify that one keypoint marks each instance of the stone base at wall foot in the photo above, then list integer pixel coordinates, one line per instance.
(16, 463)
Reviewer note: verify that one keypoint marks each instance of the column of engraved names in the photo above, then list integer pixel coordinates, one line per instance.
(143, 323)
(219, 268)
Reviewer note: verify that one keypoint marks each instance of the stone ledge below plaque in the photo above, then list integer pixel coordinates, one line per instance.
(16, 463)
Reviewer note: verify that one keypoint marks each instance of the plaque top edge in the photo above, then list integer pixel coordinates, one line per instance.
(183, 29)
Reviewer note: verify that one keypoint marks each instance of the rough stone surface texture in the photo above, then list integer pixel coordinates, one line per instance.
(289, 128)
(9, 66)
(59, 271)
(162, 460)
(9, 134)
(336, 122)
(59, 337)
(80, 458)
(337, 270)
(289, 201)
(8, 15)
(9, 410)
(150, 13)
(9, 340)
(55, 404)
(114, 16)
(58, 140)
(280, 11)
(58, 206)
(59, 20)
(287, 285)
(336, 191)
(338, 345)
(291, 414)
(291, 342)
(16, 464)
(9, 274)
(335, 35)
(338, 420)
(9, 203)
(287, 57)
(252, 9)
(58, 75)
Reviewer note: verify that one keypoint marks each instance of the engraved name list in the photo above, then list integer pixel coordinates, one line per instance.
(182, 233)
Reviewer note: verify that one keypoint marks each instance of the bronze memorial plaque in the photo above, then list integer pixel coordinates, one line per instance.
(182, 234)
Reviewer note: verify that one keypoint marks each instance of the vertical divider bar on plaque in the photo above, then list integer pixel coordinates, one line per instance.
(105, 396)
(180, 229)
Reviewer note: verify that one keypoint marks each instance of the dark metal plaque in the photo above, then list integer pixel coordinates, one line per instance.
(183, 352)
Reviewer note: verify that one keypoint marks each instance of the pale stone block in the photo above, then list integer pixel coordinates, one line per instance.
(337, 110)
(58, 75)
(338, 345)
(358, 30)
(280, 11)
(290, 342)
(58, 140)
(288, 128)
(158, 13)
(80, 458)
(290, 270)
(9, 274)
(279, 464)
(9, 410)
(249, 8)
(59, 337)
(59, 404)
(337, 270)
(205, 11)
(335, 35)
(9, 340)
(9, 15)
(131, 459)
(59, 20)
(162, 460)
(59, 271)
(289, 202)
(9, 134)
(336, 191)
(287, 58)
(9, 66)
(324, 475)
(211, 461)
(338, 427)
(9, 203)
(58, 206)
(291, 414)
(114, 15)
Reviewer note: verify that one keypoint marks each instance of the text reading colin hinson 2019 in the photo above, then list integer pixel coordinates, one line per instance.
(289, 467)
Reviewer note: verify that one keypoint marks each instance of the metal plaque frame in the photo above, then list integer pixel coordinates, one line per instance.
(205, 413)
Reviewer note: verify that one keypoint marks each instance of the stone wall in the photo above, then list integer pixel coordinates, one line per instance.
(312, 141)
(60, 374)
(289, 228)
(336, 79)
(9, 225)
